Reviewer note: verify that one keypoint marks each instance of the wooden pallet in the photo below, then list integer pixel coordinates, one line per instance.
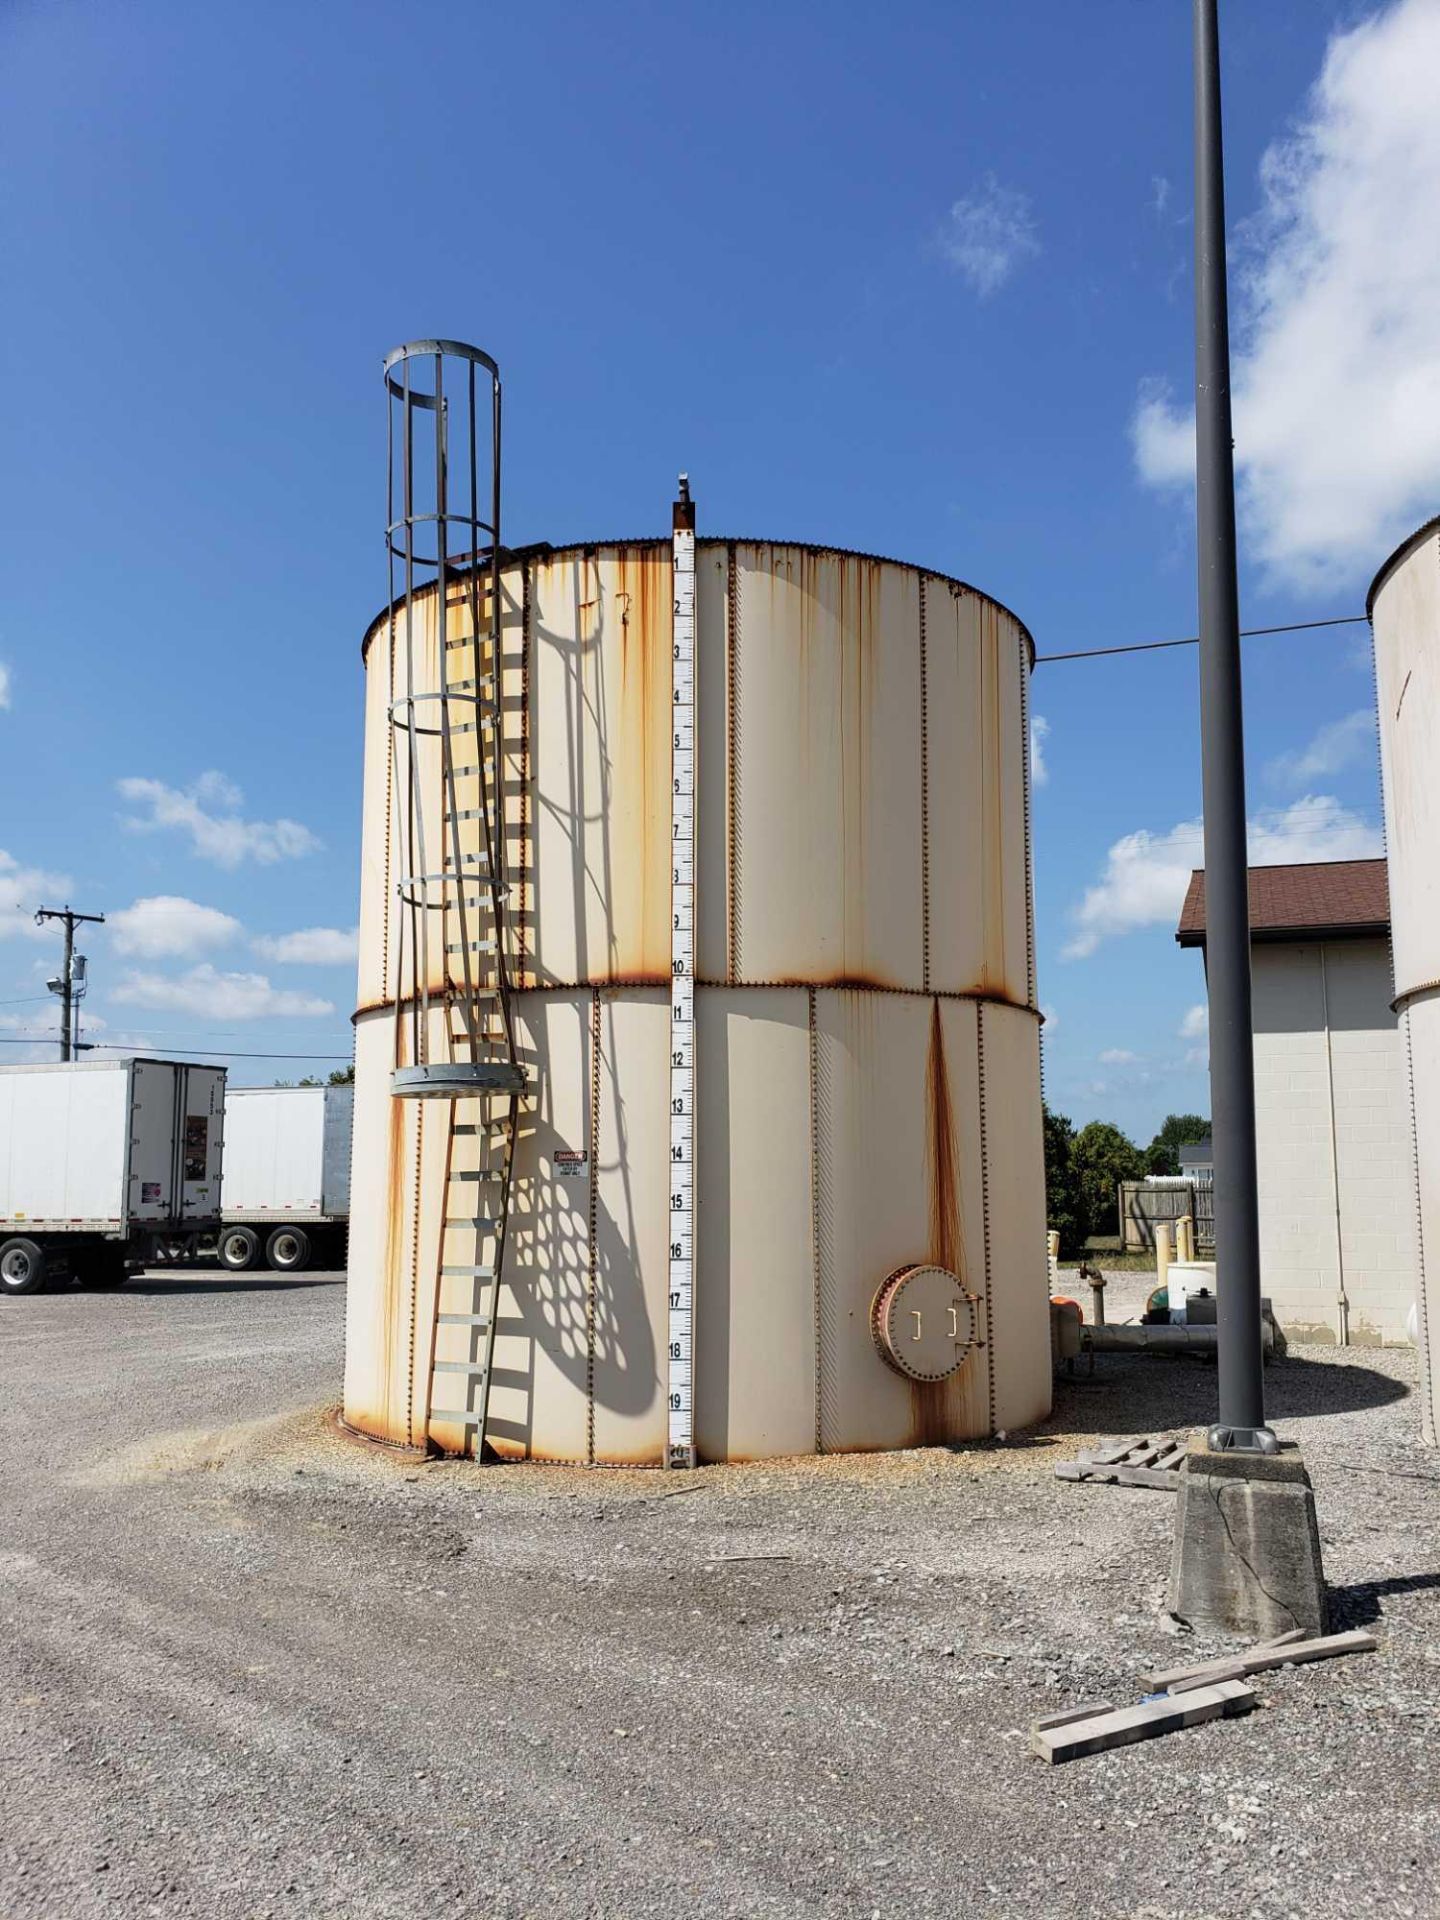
(1130, 1463)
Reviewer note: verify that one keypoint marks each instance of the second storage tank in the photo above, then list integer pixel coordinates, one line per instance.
(1404, 608)
(868, 1037)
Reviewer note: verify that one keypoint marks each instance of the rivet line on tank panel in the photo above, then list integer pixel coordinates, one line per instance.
(985, 1207)
(1422, 1298)
(1030, 982)
(732, 764)
(389, 814)
(522, 920)
(814, 1064)
(592, 1269)
(419, 1107)
(924, 794)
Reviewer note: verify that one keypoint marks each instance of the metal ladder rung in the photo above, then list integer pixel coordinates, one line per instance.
(454, 1175)
(472, 946)
(463, 1319)
(469, 1273)
(475, 1368)
(467, 813)
(481, 1222)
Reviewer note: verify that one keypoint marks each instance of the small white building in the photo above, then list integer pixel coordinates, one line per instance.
(1334, 1139)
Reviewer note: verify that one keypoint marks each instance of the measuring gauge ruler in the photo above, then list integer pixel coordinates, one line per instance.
(680, 1341)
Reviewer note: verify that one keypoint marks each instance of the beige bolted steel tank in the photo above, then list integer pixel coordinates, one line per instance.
(1404, 608)
(867, 1034)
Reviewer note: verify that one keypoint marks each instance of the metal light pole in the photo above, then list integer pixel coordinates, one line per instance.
(1241, 1424)
(66, 986)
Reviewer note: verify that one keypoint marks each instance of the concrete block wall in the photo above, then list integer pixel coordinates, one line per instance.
(1327, 1044)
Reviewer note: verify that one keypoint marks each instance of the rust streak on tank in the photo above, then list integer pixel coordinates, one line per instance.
(946, 1248)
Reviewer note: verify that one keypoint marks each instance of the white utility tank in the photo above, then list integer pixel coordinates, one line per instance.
(1404, 609)
(868, 1036)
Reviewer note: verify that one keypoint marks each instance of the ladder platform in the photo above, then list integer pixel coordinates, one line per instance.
(456, 1079)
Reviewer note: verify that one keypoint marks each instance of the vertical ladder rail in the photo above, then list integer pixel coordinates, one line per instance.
(680, 1344)
(454, 900)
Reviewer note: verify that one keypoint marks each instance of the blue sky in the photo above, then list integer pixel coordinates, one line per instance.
(916, 281)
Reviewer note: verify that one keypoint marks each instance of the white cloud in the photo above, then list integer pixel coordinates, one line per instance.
(4, 686)
(1315, 828)
(1159, 192)
(1146, 874)
(1196, 1023)
(1052, 1019)
(219, 996)
(310, 946)
(1039, 730)
(987, 234)
(1332, 749)
(168, 926)
(209, 811)
(22, 890)
(1119, 1057)
(1337, 373)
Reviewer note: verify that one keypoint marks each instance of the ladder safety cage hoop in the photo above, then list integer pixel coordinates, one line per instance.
(444, 555)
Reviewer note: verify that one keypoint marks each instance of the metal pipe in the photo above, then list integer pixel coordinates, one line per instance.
(1241, 1423)
(1127, 1337)
(1162, 1253)
(1342, 1299)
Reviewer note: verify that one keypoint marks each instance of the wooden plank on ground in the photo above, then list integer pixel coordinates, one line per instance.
(1145, 1722)
(1148, 1477)
(1064, 1718)
(1282, 1639)
(1261, 1659)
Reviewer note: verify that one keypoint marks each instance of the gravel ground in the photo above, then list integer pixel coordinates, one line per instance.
(252, 1667)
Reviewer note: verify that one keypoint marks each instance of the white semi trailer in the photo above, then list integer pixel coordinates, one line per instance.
(286, 1193)
(105, 1165)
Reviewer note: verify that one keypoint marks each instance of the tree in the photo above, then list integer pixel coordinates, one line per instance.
(1103, 1157)
(343, 1076)
(1063, 1210)
(1180, 1130)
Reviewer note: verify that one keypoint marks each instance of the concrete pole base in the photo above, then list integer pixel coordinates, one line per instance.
(1247, 1547)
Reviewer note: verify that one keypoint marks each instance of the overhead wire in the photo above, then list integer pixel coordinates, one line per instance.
(199, 1053)
(1193, 639)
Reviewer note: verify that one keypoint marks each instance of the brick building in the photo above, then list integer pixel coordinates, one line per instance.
(1332, 1104)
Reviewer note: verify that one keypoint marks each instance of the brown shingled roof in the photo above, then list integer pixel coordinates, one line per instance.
(1343, 899)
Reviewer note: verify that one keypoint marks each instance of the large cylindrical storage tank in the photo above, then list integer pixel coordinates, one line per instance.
(868, 1037)
(1404, 608)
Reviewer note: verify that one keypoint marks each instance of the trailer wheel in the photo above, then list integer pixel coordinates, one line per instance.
(288, 1249)
(238, 1248)
(22, 1267)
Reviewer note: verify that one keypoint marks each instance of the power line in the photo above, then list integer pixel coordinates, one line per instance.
(201, 1053)
(1193, 640)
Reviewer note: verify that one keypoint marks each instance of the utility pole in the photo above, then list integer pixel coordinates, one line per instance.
(65, 984)
(1222, 742)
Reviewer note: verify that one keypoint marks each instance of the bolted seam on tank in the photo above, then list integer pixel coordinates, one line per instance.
(542, 553)
(845, 984)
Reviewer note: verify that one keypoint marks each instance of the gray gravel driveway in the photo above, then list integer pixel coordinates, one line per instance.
(251, 1667)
